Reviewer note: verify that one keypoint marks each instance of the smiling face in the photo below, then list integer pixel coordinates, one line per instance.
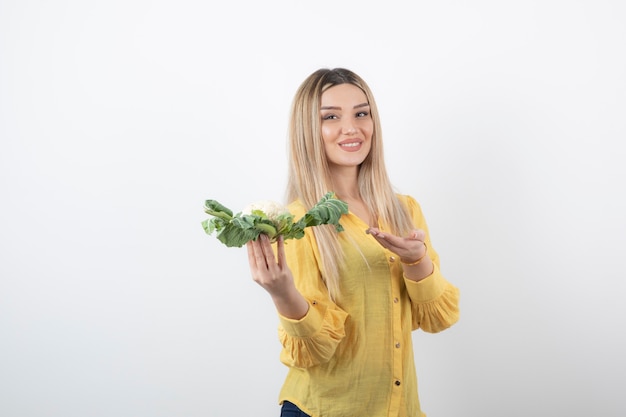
(347, 126)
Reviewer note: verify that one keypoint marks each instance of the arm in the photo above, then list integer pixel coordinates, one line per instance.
(434, 301)
(311, 325)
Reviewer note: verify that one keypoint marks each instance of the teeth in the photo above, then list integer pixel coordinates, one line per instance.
(351, 145)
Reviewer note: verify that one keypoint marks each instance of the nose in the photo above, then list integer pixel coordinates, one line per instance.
(348, 127)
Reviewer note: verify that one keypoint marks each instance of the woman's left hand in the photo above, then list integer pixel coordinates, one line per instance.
(411, 250)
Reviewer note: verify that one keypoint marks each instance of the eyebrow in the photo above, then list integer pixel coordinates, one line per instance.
(358, 106)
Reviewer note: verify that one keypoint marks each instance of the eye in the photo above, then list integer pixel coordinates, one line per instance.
(329, 117)
(362, 114)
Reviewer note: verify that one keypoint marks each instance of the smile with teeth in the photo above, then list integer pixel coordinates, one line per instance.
(350, 145)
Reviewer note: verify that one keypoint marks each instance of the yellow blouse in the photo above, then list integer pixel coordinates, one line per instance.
(354, 357)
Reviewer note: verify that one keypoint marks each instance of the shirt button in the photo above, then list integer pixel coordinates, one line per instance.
(397, 382)
(395, 300)
(398, 345)
(392, 259)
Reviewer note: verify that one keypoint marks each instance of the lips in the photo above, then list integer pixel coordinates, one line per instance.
(351, 145)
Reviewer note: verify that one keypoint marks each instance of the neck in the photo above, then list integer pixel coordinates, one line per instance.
(345, 184)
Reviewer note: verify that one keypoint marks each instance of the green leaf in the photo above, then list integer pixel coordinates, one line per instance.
(236, 230)
(233, 236)
(214, 208)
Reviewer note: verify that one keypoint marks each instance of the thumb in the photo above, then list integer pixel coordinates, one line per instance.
(418, 234)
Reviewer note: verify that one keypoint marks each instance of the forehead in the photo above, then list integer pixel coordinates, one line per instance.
(343, 94)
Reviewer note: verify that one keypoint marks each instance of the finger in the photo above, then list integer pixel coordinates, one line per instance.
(382, 241)
(251, 258)
(375, 232)
(280, 251)
(268, 252)
(252, 254)
(255, 270)
(259, 260)
(390, 241)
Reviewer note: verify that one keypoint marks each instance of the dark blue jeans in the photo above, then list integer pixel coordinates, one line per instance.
(291, 410)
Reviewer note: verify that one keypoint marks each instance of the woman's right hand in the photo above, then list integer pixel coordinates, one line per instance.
(275, 276)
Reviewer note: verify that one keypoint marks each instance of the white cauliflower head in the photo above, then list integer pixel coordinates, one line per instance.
(272, 209)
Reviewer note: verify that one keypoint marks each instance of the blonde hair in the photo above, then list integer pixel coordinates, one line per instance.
(309, 175)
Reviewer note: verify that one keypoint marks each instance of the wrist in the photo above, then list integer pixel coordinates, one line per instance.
(291, 305)
(418, 261)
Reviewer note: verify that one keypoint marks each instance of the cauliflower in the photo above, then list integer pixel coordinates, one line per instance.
(270, 218)
(269, 208)
(278, 217)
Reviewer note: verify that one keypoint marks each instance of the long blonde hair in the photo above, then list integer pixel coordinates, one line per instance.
(309, 175)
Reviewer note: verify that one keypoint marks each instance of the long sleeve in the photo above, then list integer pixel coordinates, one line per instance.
(313, 339)
(434, 300)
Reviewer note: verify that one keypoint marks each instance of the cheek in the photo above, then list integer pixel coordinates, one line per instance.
(368, 130)
(328, 134)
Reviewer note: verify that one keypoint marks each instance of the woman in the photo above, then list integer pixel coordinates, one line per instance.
(348, 301)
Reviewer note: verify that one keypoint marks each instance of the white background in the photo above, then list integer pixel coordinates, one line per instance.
(505, 119)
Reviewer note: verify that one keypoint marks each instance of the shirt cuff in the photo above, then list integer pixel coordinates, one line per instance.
(308, 325)
(427, 289)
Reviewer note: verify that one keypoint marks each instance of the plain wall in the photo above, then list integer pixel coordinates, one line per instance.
(506, 120)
